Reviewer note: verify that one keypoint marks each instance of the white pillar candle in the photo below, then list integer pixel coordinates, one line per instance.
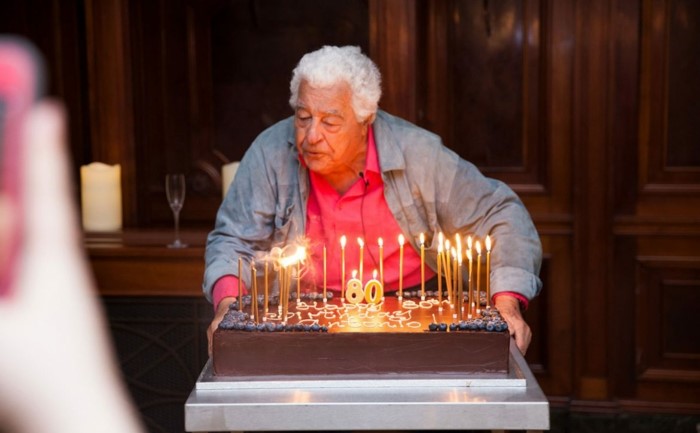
(228, 172)
(101, 193)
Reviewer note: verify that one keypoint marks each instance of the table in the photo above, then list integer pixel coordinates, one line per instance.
(512, 403)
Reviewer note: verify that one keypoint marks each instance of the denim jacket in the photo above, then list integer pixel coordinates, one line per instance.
(427, 186)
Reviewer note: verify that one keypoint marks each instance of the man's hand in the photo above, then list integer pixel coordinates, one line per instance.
(509, 307)
(218, 317)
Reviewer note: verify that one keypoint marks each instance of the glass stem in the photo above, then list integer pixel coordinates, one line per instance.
(177, 226)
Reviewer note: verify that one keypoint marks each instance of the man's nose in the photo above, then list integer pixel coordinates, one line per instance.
(313, 132)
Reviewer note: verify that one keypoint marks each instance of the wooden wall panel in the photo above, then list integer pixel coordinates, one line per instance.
(669, 150)
(655, 286)
(209, 76)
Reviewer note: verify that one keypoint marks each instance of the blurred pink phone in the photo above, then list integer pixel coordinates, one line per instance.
(20, 79)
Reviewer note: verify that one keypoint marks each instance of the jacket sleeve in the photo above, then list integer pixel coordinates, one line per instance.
(476, 205)
(244, 221)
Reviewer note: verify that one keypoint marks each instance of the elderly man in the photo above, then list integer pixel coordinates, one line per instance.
(340, 167)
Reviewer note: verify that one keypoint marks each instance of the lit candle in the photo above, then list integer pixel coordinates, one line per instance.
(477, 290)
(460, 299)
(325, 298)
(381, 261)
(228, 172)
(422, 267)
(460, 289)
(100, 187)
(487, 244)
(374, 292)
(354, 293)
(401, 242)
(361, 243)
(470, 297)
(469, 283)
(343, 241)
(439, 273)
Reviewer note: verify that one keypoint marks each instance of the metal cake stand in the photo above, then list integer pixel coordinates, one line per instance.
(440, 402)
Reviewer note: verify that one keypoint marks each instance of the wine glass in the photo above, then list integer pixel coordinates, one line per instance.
(175, 191)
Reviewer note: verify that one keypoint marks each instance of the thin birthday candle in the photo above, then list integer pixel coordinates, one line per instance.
(439, 274)
(460, 293)
(422, 267)
(401, 241)
(267, 293)
(298, 277)
(240, 288)
(470, 255)
(448, 268)
(325, 298)
(455, 271)
(280, 283)
(487, 244)
(361, 243)
(469, 284)
(477, 290)
(381, 261)
(343, 241)
(300, 256)
(254, 296)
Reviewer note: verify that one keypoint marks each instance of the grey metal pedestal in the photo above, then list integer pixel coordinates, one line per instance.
(513, 403)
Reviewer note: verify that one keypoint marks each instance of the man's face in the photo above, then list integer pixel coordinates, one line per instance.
(328, 136)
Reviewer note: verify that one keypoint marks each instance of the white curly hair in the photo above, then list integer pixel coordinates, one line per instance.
(330, 65)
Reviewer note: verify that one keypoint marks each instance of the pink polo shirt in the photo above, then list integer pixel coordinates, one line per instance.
(362, 212)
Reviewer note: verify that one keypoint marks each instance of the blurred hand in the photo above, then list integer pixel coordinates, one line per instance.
(57, 369)
(509, 307)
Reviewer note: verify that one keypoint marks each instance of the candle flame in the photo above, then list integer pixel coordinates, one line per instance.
(422, 239)
(374, 274)
(441, 238)
(469, 242)
(401, 240)
(343, 241)
(487, 243)
(458, 242)
(380, 241)
(298, 256)
(469, 255)
(447, 245)
(354, 273)
(360, 242)
(477, 246)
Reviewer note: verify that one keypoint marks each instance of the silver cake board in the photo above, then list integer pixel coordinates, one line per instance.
(515, 378)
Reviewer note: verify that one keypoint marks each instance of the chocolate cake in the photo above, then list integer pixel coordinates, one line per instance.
(339, 339)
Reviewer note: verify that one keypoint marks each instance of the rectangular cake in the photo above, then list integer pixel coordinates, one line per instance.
(339, 339)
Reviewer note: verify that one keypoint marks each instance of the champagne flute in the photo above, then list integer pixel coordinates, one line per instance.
(175, 191)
